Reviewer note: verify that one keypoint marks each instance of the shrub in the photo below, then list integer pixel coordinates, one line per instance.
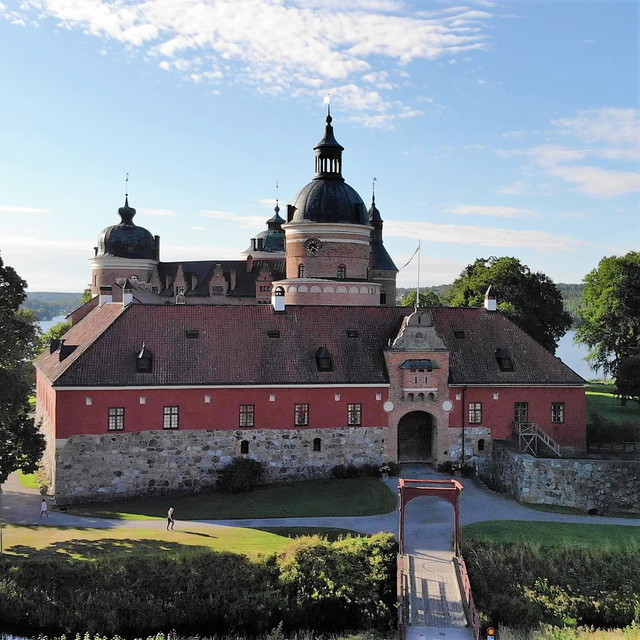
(241, 474)
(353, 471)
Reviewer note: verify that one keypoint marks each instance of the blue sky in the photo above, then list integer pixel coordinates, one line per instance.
(492, 128)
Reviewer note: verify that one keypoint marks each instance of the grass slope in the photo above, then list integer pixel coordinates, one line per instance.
(601, 400)
(88, 544)
(554, 534)
(344, 497)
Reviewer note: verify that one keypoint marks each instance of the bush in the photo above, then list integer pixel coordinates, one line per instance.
(241, 474)
(602, 430)
(353, 471)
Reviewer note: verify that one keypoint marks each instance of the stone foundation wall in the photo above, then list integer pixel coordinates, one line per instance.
(604, 485)
(107, 466)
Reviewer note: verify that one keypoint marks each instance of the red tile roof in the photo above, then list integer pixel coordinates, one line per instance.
(235, 346)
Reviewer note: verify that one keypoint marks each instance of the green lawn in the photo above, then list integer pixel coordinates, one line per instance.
(28, 480)
(553, 533)
(600, 400)
(87, 544)
(345, 497)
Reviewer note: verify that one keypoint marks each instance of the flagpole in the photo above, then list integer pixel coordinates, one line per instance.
(418, 284)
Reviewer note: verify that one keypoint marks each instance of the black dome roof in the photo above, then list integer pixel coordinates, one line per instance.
(327, 200)
(272, 239)
(127, 240)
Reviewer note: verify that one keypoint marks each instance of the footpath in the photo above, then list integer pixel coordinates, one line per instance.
(435, 609)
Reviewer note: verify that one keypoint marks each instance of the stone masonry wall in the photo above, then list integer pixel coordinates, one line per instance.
(604, 485)
(102, 467)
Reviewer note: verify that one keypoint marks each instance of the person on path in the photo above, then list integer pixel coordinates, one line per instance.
(170, 521)
(44, 509)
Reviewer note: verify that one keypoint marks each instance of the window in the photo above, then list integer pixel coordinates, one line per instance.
(342, 271)
(557, 412)
(116, 418)
(383, 298)
(317, 444)
(324, 361)
(247, 415)
(265, 287)
(179, 291)
(217, 291)
(458, 333)
(301, 415)
(481, 444)
(354, 414)
(244, 447)
(191, 333)
(171, 418)
(301, 271)
(144, 360)
(521, 412)
(504, 360)
(475, 413)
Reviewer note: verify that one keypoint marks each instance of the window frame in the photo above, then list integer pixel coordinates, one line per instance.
(115, 419)
(354, 414)
(558, 412)
(474, 413)
(247, 416)
(171, 417)
(301, 414)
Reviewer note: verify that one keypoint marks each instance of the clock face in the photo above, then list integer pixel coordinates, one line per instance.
(313, 245)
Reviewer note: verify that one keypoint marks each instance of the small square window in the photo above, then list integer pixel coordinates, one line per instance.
(272, 397)
(378, 396)
(143, 400)
(207, 399)
(88, 401)
(337, 397)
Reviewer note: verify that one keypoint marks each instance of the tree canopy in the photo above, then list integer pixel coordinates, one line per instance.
(610, 324)
(426, 299)
(530, 299)
(21, 444)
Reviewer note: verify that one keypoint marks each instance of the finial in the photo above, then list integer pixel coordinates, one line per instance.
(126, 190)
(277, 209)
(373, 192)
(327, 101)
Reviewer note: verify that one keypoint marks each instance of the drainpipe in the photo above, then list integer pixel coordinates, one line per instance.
(464, 413)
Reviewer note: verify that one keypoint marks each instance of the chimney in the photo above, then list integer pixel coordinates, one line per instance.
(277, 299)
(490, 303)
(105, 295)
(127, 293)
(249, 263)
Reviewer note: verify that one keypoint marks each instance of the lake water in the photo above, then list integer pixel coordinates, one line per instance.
(45, 325)
(573, 355)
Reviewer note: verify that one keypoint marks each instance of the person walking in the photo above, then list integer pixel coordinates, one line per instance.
(170, 520)
(44, 509)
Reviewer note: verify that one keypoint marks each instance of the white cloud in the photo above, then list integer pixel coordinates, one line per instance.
(483, 236)
(10, 209)
(246, 222)
(157, 212)
(491, 211)
(281, 46)
(602, 143)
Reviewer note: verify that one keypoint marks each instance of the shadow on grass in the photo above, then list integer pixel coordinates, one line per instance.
(330, 533)
(107, 547)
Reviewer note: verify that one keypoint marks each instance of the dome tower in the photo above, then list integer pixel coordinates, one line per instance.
(124, 251)
(328, 237)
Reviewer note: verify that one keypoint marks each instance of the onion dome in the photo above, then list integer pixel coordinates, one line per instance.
(328, 198)
(127, 240)
(272, 239)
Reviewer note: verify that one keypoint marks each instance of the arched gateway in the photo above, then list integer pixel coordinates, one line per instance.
(415, 437)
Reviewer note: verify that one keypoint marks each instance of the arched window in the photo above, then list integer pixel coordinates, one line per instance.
(244, 447)
(342, 271)
(421, 397)
(301, 271)
(317, 444)
(410, 397)
(481, 444)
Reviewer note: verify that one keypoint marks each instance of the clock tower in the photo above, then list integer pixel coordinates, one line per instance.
(328, 238)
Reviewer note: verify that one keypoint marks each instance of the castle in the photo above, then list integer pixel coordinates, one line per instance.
(295, 355)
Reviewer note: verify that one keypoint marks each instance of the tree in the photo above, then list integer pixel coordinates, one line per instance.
(57, 331)
(21, 444)
(610, 324)
(426, 299)
(530, 299)
(628, 379)
(87, 296)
